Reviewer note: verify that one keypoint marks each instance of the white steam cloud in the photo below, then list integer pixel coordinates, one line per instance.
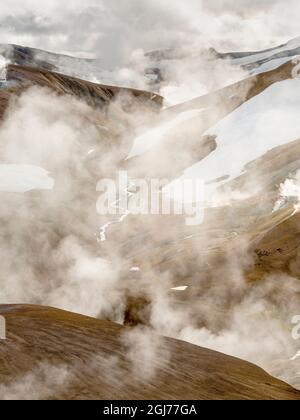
(113, 30)
(43, 382)
(50, 254)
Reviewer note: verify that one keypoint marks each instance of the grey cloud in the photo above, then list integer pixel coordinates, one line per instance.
(112, 30)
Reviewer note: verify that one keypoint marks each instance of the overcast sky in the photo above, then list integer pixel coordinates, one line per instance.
(112, 29)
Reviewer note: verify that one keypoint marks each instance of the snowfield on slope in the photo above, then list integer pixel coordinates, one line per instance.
(268, 54)
(153, 137)
(3, 64)
(266, 121)
(273, 64)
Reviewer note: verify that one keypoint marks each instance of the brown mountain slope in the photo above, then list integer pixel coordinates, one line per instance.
(91, 362)
(96, 95)
(237, 93)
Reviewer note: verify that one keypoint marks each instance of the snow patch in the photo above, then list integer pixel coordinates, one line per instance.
(155, 136)
(272, 65)
(135, 269)
(180, 288)
(3, 65)
(264, 55)
(23, 178)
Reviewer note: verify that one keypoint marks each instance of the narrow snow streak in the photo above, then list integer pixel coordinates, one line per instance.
(297, 356)
(114, 205)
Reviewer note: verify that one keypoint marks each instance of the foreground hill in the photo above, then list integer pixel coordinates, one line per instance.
(54, 354)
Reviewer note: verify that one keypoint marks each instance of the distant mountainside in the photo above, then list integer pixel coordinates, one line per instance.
(20, 78)
(251, 60)
(93, 70)
(201, 71)
(158, 66)
(88, 69)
